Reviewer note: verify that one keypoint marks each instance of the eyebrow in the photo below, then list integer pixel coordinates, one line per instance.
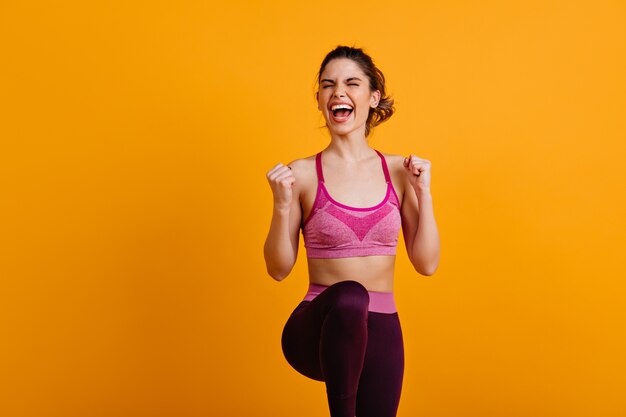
(348, 80)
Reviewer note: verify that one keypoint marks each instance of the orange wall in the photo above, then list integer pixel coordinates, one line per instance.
(135, 139)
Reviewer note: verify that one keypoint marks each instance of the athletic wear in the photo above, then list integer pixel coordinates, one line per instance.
(379, 302)
(359, 354)
(342, 334)
(335, 230)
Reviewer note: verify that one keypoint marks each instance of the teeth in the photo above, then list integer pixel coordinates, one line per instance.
(341, 106)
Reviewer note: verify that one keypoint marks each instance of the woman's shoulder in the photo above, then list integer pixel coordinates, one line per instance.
(303, 168)
(302, 162)
(394, 162)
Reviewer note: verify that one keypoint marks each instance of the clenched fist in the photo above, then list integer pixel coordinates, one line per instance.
(281, 180)
(418, 170)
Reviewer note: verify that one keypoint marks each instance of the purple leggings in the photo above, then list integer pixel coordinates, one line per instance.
(358, 353)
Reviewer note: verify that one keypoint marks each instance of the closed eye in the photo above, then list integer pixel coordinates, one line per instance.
(329, 85)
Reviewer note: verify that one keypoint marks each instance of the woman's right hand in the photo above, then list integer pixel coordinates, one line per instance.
(281, 180)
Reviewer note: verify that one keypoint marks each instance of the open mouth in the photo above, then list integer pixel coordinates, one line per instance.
(341, 112)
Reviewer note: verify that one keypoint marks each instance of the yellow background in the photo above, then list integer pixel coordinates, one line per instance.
(135, 138)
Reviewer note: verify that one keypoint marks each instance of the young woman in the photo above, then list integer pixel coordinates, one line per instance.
(350, 201)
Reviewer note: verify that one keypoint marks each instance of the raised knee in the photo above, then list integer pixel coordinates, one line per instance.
(350, 287)
(350, 296)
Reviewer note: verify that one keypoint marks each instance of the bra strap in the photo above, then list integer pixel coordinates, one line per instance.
(320, 174)
(385, 169)
(318, 167)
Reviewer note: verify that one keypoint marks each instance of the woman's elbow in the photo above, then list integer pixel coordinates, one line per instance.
(277, 267)
(278, 273)
(426, 269)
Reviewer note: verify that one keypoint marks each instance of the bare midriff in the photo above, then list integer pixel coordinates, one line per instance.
(375, 273)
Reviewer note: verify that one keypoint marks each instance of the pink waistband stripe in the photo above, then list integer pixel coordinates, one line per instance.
(380, 302)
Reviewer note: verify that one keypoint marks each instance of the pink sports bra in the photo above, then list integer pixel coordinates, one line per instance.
(335, 230)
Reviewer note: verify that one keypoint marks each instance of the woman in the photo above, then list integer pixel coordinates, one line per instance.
(350, 201)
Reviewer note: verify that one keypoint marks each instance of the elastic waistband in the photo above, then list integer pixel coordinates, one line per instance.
(380, 302)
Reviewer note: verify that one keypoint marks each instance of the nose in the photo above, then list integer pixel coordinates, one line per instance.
(339, 92)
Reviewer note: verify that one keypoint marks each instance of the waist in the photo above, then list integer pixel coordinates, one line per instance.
(374, 272)
(380, 302)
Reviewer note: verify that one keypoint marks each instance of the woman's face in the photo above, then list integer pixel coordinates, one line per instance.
(344, 97)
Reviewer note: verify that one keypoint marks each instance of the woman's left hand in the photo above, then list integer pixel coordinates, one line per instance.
(418, 170)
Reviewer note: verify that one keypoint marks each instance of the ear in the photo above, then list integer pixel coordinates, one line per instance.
(317, 98)
(375, 99)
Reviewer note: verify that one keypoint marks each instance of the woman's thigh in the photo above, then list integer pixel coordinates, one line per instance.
(303, 331)
(301, 340)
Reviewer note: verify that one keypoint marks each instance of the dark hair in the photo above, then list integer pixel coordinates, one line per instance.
(376, 80)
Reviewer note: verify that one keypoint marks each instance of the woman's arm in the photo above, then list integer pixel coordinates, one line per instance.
(418, 219)
(281, 245)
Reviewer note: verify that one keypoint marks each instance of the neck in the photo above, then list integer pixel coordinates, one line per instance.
(350, 147)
